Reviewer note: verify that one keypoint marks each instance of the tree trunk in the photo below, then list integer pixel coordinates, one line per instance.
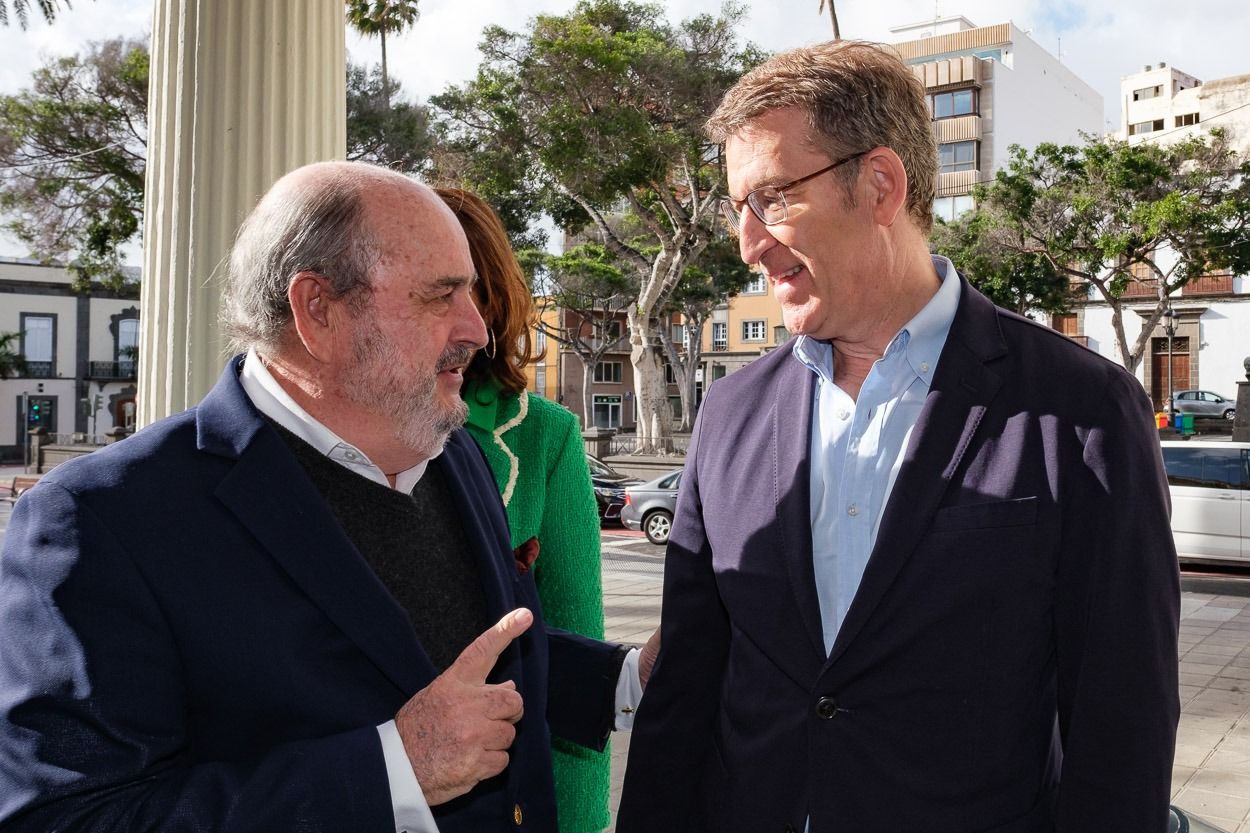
(386, 80)
(588, 387)
(654, 419)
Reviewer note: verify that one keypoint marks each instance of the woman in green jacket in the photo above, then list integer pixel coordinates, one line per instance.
(534, 448)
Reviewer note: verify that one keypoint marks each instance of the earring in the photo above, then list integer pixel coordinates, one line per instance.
(489, 350)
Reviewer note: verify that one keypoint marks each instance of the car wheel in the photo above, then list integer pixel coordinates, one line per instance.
(657, 526)
(1230, 413)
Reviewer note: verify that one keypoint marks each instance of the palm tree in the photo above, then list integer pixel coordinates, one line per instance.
(21, 8)
(12, 363)
(378, 17)
(833, 16)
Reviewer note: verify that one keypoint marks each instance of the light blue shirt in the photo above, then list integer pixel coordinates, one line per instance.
(857, 446)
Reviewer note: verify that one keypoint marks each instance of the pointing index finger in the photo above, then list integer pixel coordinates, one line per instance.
(476, 661)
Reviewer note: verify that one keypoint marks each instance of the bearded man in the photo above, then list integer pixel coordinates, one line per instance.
(274, 611)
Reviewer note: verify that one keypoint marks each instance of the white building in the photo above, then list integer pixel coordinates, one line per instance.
(80, 352)
(1212, 313)
(990, 87)
(1162, 104)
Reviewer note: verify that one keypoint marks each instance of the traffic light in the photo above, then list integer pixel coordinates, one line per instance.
(34, 414)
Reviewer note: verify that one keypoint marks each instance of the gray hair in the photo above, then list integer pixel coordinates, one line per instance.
(857, 96)
(308, 222)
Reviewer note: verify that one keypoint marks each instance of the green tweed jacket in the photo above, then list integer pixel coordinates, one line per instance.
(534, 448)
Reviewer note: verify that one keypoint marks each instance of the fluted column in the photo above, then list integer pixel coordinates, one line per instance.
(241, 92)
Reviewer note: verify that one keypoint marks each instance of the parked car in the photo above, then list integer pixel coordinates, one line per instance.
(609, 488)
(1210, 485)
(1204, 403)
(650, 506)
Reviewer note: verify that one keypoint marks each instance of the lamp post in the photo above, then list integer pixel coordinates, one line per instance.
(1169, 327)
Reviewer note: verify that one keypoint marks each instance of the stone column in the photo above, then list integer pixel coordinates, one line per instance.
(241, 92)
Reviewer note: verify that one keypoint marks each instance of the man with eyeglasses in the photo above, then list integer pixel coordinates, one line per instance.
(921, 576)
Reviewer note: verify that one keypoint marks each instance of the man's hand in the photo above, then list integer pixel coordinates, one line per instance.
(646, 657)
(457, 729)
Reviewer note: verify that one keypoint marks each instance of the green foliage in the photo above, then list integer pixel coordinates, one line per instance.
(1097, 212)
(382, 129)
(382, 18)
(21, 9)
(12, 363)
(587, 111)
(72, 150)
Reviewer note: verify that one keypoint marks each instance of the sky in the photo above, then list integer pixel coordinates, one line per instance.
(1100, 41)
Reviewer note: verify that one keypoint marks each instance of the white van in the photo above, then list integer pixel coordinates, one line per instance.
(1210, 483)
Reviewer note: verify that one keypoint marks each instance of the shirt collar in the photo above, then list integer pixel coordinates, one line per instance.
(921, 339)
(274, 402)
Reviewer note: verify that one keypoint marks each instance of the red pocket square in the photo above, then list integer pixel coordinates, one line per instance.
(526, 555)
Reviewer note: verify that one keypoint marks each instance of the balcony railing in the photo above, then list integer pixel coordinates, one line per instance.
(1210, 285)
(720, 346)
(39, 370)
(126, 369)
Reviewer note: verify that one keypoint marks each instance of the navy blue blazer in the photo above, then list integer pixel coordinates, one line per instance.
(1009, 661)
(190, 642)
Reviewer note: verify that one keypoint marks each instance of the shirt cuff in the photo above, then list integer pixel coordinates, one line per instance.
(412, 813)
(628, 691)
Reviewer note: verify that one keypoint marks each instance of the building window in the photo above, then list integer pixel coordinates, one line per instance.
(540, 379)
(758, 285)
(952, 208)
(1148, 92)
(678, 335)
(957, 156)
(38, 344)
(540, 339)
(609, 372)
(720, 335)
(670, 378)
(754, 330)
(954, 103)
(606, 411)
(1145, 127)
(1187, 119)
(780, 334)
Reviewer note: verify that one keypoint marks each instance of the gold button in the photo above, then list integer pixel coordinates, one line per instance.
(516, 814)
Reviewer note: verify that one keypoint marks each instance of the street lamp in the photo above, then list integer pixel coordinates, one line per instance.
(1169, 327)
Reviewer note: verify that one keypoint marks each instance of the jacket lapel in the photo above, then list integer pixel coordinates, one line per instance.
(792, 428)
(271, 495)
(962, 388)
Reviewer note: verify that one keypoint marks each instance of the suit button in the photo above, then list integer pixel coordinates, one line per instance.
(826, 708)
(516, 814)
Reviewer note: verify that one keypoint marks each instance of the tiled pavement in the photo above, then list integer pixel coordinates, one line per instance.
(1211, 775)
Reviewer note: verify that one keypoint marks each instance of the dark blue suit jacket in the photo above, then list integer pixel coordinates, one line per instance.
(1009, 662)
(190, 643)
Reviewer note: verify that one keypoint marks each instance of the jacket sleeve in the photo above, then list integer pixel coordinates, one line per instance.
(672, 740)
(95, 719)
(1116, 624)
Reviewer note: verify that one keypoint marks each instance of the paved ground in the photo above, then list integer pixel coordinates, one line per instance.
(1211, 776)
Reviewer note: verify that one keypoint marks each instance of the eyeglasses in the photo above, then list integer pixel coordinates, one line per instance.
(768, 203)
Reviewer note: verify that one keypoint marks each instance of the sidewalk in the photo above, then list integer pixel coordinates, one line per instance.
(1211, 774)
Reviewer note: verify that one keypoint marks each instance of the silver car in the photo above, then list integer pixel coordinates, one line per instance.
(1204, 403)
(650, 506)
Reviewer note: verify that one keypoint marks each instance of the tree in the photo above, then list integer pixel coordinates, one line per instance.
(1008, 275)
(382, 17)
(72, 151)
(833, 18)
(21, 8)
(597, 113)
(720, 275)
(396, 134)
(1099, 212)
(593, 292)
(12, 363)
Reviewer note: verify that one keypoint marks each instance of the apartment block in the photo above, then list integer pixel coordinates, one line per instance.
(80, 350)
